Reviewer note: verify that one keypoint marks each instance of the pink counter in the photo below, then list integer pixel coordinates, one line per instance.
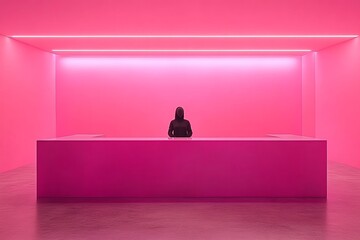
(91, 166)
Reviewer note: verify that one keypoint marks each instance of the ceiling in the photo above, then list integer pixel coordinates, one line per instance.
(145, 18)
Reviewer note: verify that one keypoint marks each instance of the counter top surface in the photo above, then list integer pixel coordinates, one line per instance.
(100, 137)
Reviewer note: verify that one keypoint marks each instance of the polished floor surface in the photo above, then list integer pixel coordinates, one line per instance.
(337, 217)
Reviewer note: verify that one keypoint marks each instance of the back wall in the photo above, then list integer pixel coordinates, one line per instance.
(137, 96)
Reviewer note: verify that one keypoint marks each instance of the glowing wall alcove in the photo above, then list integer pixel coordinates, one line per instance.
(223, 96)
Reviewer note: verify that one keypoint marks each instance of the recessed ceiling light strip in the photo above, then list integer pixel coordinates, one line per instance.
(184, 36)
(181, 50)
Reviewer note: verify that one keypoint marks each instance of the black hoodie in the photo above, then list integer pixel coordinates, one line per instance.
(179, 127)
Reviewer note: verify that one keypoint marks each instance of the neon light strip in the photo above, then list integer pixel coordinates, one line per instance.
(181, 50)
(185, 36)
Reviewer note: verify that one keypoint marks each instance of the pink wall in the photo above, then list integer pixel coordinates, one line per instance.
(308, 95)
(337, 101)
(27, 101)
(137, 96)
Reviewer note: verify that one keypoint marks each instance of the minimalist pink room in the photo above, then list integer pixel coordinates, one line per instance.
(90, 143)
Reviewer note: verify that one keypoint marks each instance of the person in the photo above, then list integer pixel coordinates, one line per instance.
(180, 127)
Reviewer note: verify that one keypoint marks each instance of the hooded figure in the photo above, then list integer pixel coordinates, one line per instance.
(179, 127)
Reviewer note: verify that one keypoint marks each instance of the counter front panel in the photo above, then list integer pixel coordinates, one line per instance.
(243, 167)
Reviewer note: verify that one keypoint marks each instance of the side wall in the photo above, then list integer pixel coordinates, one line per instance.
(338, 101)
(137, 96)
(308, 95)
(27, 101)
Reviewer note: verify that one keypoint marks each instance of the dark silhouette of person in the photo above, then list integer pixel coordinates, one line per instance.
(179, 127)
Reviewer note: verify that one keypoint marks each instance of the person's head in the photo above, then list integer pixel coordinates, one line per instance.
(179, 113)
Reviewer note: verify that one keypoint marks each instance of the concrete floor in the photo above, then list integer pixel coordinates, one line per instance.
(337, 217)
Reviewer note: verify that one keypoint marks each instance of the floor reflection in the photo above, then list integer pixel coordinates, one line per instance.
(183, 220)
